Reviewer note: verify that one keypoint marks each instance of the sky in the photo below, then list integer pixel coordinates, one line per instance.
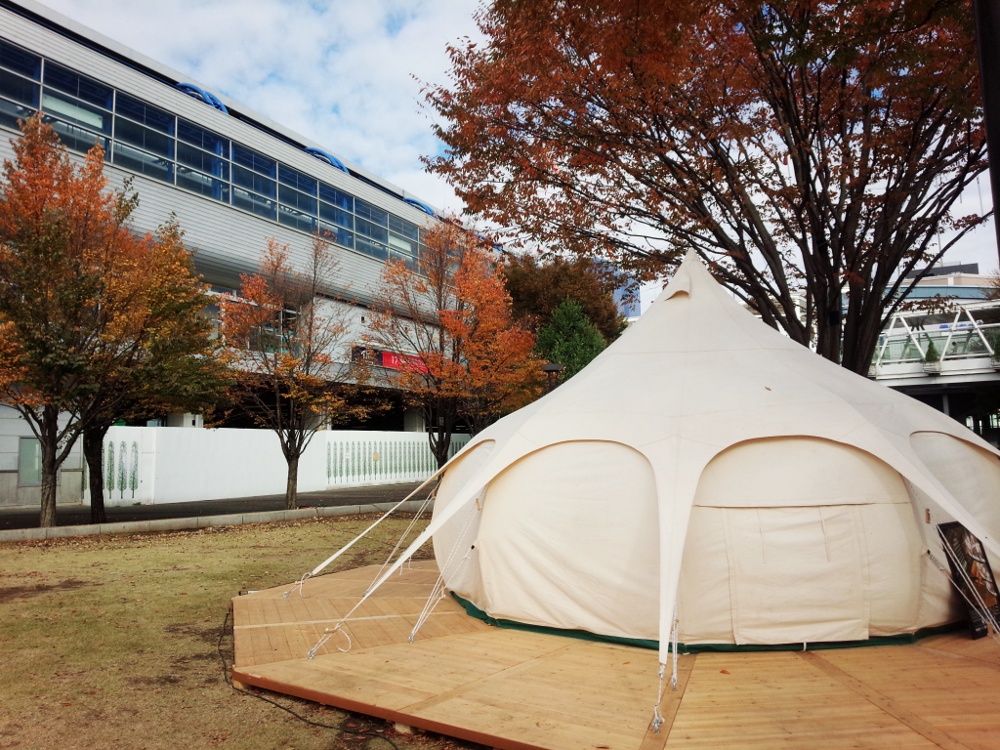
(345, 74)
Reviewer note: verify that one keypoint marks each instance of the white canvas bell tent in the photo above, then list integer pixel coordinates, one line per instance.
(706, 477)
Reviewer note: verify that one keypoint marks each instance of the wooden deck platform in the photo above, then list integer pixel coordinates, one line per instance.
(515, 690)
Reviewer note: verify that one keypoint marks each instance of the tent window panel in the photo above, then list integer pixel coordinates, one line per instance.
(850, 476)
(894, 549)
(703, 595)
(799, 575)
(968, 472)
(544, 510)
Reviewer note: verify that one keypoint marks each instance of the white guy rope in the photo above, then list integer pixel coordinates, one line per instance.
(438, 590)
(657, 716)
(327, 635)
(405, 535)
(297, 585)
(342, 550)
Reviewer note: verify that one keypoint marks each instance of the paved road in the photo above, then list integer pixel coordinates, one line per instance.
(22, 517)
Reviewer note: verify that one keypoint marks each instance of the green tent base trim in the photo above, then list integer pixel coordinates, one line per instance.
(882, 640)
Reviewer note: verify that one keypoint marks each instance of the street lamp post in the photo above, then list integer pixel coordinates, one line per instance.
(552, 371)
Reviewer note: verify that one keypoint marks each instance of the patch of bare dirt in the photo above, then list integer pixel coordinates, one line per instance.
(16, 593)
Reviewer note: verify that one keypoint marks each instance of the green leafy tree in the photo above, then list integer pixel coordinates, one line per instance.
(569, 338)
(538, 286)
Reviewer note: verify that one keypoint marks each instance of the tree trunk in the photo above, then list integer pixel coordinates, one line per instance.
(292, 485)
(439, 421)
(48, 443)
(440, 444)
(49, 470)
(93, 444)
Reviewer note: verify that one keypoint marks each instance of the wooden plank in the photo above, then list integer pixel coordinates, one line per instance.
(958, 644)
(957, 695)
(777, 700)
(656, 739)
(505, 673)
(883, 702)
(516, 690)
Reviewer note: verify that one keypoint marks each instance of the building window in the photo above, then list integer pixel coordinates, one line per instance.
(143, 162)
(336, 197)
(370, 230)
(20, 61)
(336, 234)
(18, 98)
(253, 202)
(78, 86)
(29, 462)
(254, 161)
(294, 178)
(203, 139)
(145, 114)
(152, 141)
(372, 213)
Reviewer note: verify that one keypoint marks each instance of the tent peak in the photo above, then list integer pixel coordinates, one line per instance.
(683, 277)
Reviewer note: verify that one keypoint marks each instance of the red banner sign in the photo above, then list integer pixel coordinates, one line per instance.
(390, 360)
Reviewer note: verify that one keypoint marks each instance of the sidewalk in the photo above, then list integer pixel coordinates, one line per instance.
(20, 523)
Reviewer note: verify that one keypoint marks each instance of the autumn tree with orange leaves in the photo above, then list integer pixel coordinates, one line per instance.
(463, 360)
(807, 151)
(288, 349)
(171, 365)
(95, 320)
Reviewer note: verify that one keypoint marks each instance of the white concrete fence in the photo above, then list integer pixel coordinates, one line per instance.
(173, 465)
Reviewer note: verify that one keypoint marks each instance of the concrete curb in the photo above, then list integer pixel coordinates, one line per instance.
(198, 522)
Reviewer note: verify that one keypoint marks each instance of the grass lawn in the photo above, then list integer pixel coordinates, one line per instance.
(113, 642)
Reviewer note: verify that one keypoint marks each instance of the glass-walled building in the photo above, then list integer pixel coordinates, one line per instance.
(232, 178)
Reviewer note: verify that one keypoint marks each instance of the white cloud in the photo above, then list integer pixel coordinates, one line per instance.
(346, 75)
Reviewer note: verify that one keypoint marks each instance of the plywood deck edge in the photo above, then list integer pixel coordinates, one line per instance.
(245, 677)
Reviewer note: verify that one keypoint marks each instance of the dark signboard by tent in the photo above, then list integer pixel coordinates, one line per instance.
(972, 575)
